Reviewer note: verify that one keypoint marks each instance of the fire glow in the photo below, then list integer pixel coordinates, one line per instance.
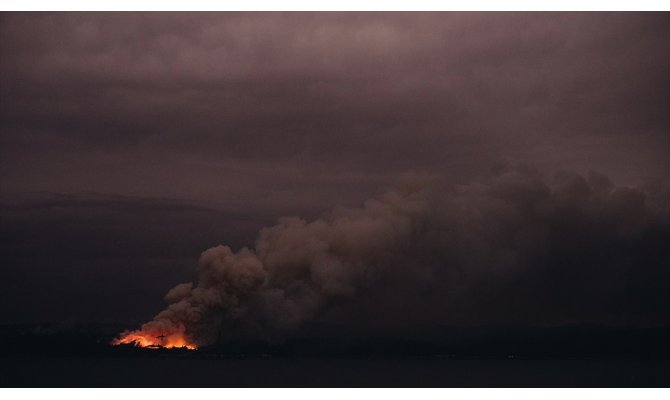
(142, 339)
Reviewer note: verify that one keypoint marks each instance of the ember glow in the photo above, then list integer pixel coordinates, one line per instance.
(146, 339)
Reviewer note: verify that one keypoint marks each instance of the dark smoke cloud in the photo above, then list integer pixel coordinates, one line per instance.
(515, 247)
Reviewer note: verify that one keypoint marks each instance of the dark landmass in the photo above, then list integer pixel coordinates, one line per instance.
(52, 355)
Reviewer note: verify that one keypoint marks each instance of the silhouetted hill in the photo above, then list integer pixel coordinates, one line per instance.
(320, 340)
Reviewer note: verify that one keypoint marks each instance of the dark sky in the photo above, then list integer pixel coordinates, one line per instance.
(131, 142)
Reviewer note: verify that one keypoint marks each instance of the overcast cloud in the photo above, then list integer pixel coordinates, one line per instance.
(168, 133)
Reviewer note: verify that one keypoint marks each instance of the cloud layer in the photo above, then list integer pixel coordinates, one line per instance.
(239, 105)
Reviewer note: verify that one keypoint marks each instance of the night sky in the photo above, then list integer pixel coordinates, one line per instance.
(538, 144)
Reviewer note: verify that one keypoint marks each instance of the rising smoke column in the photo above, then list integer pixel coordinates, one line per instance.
(513, 247)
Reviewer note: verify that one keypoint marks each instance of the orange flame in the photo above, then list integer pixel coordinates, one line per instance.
(143, 339)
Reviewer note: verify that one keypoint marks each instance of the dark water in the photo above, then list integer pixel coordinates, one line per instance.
(333, 372)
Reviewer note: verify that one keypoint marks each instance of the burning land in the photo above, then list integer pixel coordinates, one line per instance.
(326, 356)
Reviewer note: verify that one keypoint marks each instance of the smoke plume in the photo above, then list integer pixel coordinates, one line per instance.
(514, 247)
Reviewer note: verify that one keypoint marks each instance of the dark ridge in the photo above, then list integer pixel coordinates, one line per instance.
(321, 340)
